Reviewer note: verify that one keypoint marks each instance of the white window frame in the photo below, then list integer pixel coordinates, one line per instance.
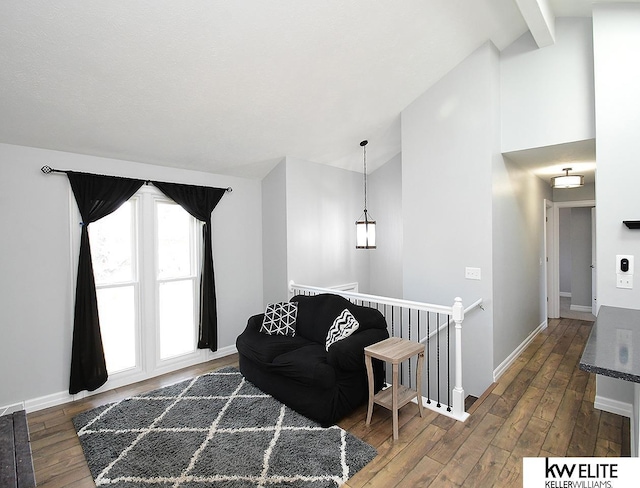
(197, 355)
(135, 282)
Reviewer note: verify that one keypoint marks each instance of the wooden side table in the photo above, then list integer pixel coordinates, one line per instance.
(394, 350)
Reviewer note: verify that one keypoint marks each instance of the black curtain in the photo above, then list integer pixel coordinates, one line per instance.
(97, 196)
(200, 201)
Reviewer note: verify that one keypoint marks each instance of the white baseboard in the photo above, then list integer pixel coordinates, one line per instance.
(59, 398)
(565, 294)
(9, 409)
(613, 406)
(40, 403)
(580, 308)
(499, 371)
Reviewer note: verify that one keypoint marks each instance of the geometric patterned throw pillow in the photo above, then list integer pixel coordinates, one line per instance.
(280, 319)
(343, 326)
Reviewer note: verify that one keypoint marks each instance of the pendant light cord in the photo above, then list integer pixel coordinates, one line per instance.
(364, 158)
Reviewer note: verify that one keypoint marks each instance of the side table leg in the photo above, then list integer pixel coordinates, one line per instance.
(369, 366)
(394, 408)
(420, 367)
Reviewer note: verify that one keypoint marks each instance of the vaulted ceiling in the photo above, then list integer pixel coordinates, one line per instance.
(233, 87)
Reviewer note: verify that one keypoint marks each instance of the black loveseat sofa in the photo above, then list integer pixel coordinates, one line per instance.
(299, 371)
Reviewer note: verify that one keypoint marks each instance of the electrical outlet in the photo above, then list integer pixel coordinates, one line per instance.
(624, 281)
(472, 273)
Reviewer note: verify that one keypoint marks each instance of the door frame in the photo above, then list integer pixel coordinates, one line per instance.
(548, 233)
(594, 264)
(553, 294)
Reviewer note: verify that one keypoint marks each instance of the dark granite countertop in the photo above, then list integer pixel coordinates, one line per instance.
(613, 348)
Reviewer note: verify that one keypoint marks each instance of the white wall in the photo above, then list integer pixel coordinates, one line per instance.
(448, 145)
(519, 285)
(309, 215)
(35, 262)
(586, 192)
(616, 35)
(322, 206)
(385, 204)
(547, 94)
(274, 234)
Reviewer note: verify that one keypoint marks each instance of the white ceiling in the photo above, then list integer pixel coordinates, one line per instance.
(233, 87)
(546, 162)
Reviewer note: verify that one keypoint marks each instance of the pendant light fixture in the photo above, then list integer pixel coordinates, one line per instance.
(566, 180)
(365, 227)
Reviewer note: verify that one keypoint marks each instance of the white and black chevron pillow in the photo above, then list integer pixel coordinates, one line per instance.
(280, 319)
(343, 326)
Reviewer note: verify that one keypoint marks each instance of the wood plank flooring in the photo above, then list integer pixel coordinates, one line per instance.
(541, 406)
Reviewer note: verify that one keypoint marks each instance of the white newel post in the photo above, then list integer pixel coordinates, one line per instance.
(458, 391)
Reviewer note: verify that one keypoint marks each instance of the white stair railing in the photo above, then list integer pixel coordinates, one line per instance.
(433, 324)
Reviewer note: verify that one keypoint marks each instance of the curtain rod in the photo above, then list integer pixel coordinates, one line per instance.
(48, 169)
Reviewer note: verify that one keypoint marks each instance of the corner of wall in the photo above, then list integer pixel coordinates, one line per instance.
(274, 234)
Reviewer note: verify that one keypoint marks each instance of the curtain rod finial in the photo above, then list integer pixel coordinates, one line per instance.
(46, 169)
(229, 189)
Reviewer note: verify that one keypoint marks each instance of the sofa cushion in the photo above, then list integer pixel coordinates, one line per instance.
(280, 319)
(348, 354)
(343, 326)
(262, 348)
(307, 365)
(316, 315)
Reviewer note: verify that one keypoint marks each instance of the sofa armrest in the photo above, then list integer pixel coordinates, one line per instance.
(255, 322)
(348, 354)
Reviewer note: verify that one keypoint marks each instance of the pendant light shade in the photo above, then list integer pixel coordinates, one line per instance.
(365, 233)
(567, 181)
(365, 226)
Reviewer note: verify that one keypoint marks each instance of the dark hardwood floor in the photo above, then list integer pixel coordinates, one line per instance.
(541, 406)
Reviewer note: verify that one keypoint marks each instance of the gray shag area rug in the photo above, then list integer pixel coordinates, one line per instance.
(215, 430)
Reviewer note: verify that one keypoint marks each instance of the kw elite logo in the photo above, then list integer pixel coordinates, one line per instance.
(580, 475)
(580, 472)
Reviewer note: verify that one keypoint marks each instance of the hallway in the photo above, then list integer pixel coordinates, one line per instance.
(567, 313)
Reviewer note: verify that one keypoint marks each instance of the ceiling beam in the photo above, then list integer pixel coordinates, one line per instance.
(540, 19)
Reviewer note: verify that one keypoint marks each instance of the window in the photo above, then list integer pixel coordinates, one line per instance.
(146, 259)
(114, 259)
(176, 280)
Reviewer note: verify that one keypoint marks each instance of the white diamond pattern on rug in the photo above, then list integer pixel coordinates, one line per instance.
(217, 430)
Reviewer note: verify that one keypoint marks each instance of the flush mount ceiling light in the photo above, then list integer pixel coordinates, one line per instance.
(566, 180)
(365, 227)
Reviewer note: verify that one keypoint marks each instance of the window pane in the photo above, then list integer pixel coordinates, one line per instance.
(174, 241)
(177, 326)
(116, 307)
(112, 246)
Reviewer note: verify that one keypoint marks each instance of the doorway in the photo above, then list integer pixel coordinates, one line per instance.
(575, 289)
